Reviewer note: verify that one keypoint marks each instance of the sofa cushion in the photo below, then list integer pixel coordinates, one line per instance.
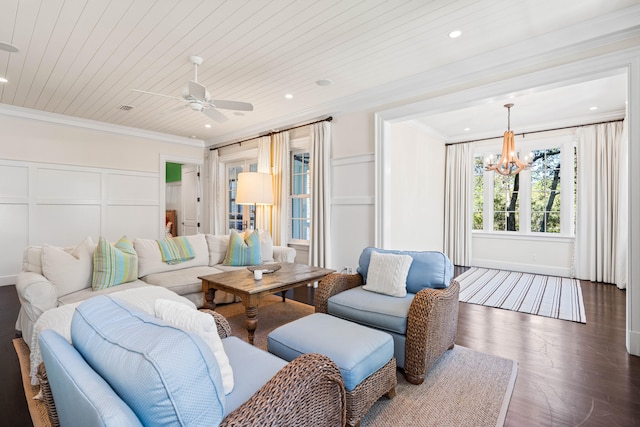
(357, 350)
(388, 274)
(243, 250)
(372, 309)
(150, 258)
(86, 293)
(218, 245)
(68, 271)
(252, 369)
(82, 397)
(32, 259)
(114, 264)
(166, 375)
(202, 324)
(429, 269)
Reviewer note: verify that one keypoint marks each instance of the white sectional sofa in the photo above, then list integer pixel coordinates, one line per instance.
(53, 276)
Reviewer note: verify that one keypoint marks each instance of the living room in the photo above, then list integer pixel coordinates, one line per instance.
(108, 179)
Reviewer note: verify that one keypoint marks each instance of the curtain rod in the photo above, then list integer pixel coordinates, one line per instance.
(536, 131)
(328, 119)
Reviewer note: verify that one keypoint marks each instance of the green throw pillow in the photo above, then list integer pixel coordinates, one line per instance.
(243, 250)
(114, 265)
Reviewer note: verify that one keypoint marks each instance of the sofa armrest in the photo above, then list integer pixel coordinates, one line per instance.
(284, 254)
(36, 294)
(309, 391)
(431, 329)
(224, 329)
(333, 284)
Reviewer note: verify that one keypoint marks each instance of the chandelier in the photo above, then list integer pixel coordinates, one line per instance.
(508, 164)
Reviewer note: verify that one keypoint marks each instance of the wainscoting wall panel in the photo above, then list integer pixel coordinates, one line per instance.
(352, 208)
(61, 205)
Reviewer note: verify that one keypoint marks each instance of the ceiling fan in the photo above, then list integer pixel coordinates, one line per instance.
(198, 98)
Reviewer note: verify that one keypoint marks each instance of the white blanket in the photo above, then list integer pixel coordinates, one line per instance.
(59, 318)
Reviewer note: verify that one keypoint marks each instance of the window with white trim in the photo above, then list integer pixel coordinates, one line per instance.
(539, 200)
(300, 197)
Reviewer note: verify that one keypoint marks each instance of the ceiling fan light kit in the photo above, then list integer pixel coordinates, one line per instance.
(198, 98)
(509, 163)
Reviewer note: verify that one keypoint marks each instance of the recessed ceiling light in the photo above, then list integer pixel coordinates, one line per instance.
(288, 96)
(593, 108)
(324, 82)
(467, 129)
(238, 113)
(207, 125)
(193, 137)
(455, 34)
(3, 80)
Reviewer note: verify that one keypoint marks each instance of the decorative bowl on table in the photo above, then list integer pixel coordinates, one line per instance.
(266, 268)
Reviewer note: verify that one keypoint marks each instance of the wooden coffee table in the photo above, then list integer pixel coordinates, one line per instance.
(251, 291)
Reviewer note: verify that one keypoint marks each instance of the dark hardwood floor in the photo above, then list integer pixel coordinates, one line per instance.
(569, 374)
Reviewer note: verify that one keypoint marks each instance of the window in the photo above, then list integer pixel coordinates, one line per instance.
(478, 193)
(241, 217)
(529, 202)
(300, 196)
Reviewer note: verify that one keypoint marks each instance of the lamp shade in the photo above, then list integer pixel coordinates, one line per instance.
(254, 188)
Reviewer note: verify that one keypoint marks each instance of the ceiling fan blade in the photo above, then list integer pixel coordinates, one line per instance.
(214, 114)
(197, 90)
(232, 105)
(156, 94)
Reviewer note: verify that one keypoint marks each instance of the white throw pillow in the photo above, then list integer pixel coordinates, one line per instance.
(202, 324)
(388, 274)
(69, 271)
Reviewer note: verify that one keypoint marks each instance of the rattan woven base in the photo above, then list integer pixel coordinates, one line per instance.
(362, 398)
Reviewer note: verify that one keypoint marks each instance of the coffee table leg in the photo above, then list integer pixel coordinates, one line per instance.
(209, 297)
(251, 321)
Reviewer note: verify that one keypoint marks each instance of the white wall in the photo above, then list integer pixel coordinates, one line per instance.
(60, 183)
(353, 192)
(415, 200)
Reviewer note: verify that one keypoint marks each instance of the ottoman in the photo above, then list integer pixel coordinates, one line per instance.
(364, 356)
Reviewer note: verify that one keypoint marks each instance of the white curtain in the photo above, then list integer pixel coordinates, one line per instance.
(263, 213)
(280, 213)
(599, 248)
(458, 208)
(320, 242)
(218, 195)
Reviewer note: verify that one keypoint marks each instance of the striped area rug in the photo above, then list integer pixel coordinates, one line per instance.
(550, 296)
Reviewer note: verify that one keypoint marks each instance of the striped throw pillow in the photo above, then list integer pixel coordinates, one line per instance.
(243, 250)
(114, 264)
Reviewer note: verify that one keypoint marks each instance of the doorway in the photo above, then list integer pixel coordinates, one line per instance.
(181, 196)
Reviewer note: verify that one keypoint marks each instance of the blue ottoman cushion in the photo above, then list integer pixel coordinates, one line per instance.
(168, 376)
(357, 350)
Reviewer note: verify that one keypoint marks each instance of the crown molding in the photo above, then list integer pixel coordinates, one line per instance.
(61, 119)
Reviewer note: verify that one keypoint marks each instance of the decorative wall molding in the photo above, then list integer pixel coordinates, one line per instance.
(352, 160)
(61, 119)
(521, 267)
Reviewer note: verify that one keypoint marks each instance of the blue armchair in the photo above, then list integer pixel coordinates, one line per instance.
(423, 324)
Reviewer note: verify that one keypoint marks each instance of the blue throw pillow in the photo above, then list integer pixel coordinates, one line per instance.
(429, 269)
(166, 375)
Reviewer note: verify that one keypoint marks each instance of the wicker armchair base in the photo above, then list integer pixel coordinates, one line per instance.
(361, 399)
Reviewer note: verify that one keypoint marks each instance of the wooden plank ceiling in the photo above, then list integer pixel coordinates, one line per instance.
(82, 57)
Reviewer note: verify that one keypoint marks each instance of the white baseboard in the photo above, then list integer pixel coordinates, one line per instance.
(7, 280)
(525, 268)
(633, 342)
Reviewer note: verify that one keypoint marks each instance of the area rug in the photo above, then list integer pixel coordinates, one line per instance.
(37, 410)
(549, 296)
